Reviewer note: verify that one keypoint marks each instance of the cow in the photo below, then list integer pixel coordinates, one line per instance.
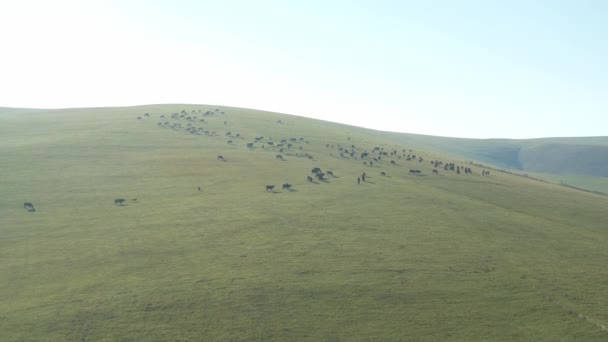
(220, 157)
(309, 179)
(383, 173)
(119, 201)
(28, 206)
(286, 186)
(316, 170)
(435, 171)
(279, 157)
(269, 187)
(330, 173)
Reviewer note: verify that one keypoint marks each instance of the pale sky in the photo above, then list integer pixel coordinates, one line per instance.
(480, 69)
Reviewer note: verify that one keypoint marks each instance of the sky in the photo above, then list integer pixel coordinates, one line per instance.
(478, 69)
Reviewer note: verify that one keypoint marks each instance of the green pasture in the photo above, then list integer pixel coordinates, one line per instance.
(399, 257)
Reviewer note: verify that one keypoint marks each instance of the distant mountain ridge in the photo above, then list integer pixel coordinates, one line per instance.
(581, 156)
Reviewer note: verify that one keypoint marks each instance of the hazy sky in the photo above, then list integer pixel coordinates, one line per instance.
(514, 69)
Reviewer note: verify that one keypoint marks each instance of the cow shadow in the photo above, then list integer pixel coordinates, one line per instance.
(292, 190)
(370, 182)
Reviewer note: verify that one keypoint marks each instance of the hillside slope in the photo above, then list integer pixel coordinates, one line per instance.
(201, 250)
(561, 156)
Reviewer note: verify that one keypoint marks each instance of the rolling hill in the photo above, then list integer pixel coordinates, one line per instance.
(202, 250)
(562, 156)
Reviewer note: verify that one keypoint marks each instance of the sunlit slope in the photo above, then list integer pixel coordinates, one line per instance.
(398, 257)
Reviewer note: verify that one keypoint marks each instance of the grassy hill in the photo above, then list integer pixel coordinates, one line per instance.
(581, 162)
(564, 156)
(401, 256)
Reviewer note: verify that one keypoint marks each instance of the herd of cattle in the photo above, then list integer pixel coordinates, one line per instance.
(193, 122)
(376, 156)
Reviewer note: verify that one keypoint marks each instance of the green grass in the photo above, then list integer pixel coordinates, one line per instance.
(420, 258)
(584, 156)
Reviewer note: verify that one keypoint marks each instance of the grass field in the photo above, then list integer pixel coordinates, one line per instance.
(399, 257)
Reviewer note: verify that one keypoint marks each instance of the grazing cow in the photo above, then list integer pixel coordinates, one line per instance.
(383, 173)
(249, 145)
(119, 201)
(220, 157)
(435, 171)
(28, 206)
(330, 173)
(230, 141)
(316, 170)
(279, 157)
(320, 175)
(286, 186)
(269, 187)
(393, 162)
(139, 118)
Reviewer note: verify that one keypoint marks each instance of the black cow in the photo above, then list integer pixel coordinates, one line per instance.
(435, 171)
(28, 206)
(279, 157)
(220, 157)
(286, 186)
(383, 173)
(269, 187)
(119, 201)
